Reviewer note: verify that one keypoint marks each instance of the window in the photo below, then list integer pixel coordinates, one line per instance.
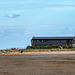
(37, 40)
(60, 41)
(42, 40)
(46, 40)
(70, 41)
(32, 40)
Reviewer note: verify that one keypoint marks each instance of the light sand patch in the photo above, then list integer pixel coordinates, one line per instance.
(40, 53)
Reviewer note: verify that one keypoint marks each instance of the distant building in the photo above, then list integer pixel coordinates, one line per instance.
(46, 41)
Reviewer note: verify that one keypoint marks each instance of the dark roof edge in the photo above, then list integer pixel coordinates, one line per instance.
(53, 38)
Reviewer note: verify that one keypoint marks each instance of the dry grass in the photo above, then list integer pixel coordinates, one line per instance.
(40, 50)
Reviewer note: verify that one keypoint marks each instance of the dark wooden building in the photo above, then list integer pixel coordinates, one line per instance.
(46, 41)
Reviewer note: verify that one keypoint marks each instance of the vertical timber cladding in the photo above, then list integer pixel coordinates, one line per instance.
(35, 41)
(74, 40)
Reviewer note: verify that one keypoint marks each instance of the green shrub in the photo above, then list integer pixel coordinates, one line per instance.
(70, 46)
(43, 47)
(65, 46)
(58, 46)
(28, 47)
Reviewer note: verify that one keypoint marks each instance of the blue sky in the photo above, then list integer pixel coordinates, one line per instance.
(20, 19)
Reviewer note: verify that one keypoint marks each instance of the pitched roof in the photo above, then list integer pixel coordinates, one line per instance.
(52, 38)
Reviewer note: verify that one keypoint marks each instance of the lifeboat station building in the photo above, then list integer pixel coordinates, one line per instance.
(46, 41)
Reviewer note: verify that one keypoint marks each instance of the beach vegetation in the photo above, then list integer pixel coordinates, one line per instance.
(43, 47)
(65, 46)
(70, 46)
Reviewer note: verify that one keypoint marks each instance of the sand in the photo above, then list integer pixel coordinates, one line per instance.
(39, 53)
(23, 65)
(16, 63)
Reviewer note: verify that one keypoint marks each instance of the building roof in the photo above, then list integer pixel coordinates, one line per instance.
(34, 38)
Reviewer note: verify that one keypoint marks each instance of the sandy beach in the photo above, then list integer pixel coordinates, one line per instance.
(35, 63)
(24, 65)
(40, 53)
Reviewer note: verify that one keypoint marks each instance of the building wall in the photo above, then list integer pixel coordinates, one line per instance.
(74, 41)
(51, 42)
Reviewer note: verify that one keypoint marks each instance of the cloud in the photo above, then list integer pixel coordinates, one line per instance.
(28, 32)
(67, 2)
(61, 8)
(12, 15)
(5, 32)
(19, 2)
(2, 31)
(38, 4)
(70, 29)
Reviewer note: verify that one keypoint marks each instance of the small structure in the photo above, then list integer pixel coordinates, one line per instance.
(46, 41)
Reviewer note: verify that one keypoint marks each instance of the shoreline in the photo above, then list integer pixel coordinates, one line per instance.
(41, 53)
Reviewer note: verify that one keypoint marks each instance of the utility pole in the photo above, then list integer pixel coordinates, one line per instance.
(32, 34)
